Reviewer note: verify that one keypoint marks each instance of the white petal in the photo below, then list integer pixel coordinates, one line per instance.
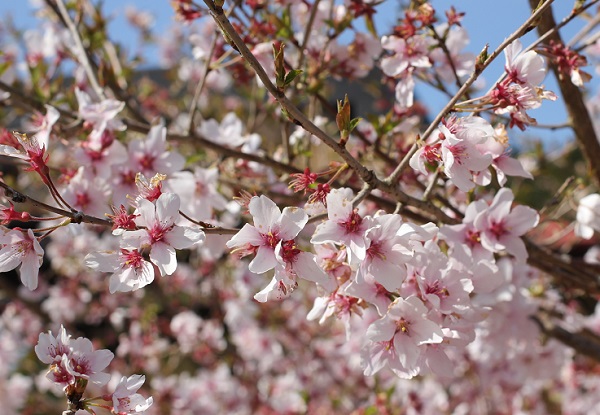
(163, 256)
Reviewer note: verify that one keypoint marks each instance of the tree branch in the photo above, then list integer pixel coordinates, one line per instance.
(580, 119)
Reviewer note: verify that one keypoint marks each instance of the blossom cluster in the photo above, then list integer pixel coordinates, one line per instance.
(74, 363)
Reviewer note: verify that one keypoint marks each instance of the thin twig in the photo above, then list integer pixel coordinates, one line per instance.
(200, 86)
(76, 217)
(81, 52)
(309, 25)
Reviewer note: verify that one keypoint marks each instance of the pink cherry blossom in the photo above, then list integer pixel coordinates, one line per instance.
(87, 193)
(405, 329)
(336, 304)
(228, 132)
(461, 157)
(150, 156)
(50, 349)
(198, 192)
(294, 263)
(100, 115)
(464, 239)
(271, 226)
(72, 360)
(386, 254)
(412, 52)
(501, 226)
(125, 398)
(87, 363)
(161, 234)
(524, 68)
(344, 225)
(130, 270)
(41, 125)
(18, 247)
(32, 152)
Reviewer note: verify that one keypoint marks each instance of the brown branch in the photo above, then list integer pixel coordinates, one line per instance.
(584, 342)
(579, 116)
(76, 217)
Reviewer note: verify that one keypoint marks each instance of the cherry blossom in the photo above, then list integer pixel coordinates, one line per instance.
(72, 360)
(524, 68)
(49, 349)
(294, 263)
(19, 247)
(130, 270)
(386, 254)
(398, 336)
(101, 116)
(86, 363)
(87, 193)
(126, 400)
(271, 227)
(41, 126)
(150, 156)
(161, 234)
(501, 226)
(34, 153)
(344, 225)
(198, 192)
(228, 132)
(461, 157)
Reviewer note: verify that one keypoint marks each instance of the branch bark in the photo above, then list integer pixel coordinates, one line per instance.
(579, 116)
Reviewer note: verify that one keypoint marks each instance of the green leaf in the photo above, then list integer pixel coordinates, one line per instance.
(354, 123)
(291, 75)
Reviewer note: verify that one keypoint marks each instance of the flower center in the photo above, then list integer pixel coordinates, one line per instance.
(498, 229)
(352, 224)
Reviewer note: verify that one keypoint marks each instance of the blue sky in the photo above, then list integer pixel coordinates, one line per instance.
(487, 21)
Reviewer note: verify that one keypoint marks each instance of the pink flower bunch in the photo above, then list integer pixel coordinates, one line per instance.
(74, 363)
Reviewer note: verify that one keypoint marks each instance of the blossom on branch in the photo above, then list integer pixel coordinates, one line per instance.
(160, 234)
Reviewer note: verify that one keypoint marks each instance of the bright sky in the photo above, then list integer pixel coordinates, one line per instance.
(487, 21)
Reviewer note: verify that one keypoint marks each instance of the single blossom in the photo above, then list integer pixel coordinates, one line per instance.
(18, 247)
(387, 253)
(344, 225)
(87, 363)
(400, 336)
(160, 233)
(41, 125)
(101, 116)
(50, 349)
(524, 68)
(130, 270)
(293, 263)
(271, 227)
(150, 156)
(125, 398)
(461, 158)
(502, 226)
